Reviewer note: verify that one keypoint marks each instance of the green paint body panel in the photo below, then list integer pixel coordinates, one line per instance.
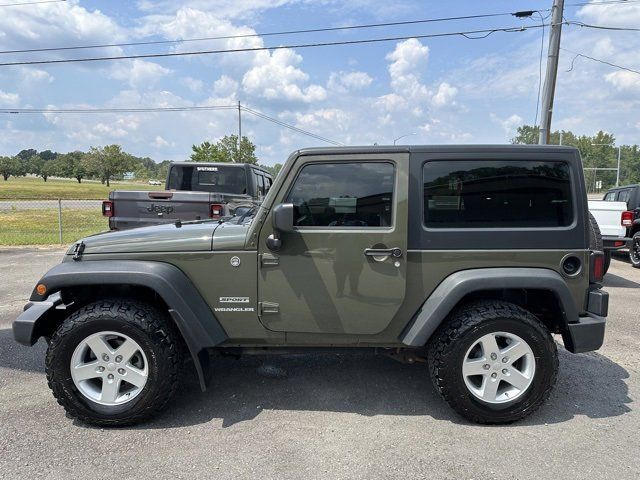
(327, 292)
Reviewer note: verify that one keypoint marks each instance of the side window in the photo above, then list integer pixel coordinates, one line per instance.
(497, 194)
(610, 197)
(623, 195)
(267, 184)
(343, 195)
(260, 184)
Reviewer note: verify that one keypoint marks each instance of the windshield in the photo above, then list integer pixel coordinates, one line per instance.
(208, 178)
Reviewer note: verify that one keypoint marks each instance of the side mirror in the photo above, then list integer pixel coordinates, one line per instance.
(282, 217)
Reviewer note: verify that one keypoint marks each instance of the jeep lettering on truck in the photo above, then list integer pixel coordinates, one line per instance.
(470, 258)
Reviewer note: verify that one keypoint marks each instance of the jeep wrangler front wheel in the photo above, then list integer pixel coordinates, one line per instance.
(493, 362)
(114, 362)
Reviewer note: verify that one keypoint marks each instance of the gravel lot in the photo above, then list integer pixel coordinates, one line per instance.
(342, 416)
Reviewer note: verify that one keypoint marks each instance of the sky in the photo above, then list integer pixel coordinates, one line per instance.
(433, 90)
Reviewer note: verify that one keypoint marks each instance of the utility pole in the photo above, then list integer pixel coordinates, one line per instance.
(239, 131)
(552, 70)
(618, 169)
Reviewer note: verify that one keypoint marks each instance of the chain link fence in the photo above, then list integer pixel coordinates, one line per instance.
(49, 222)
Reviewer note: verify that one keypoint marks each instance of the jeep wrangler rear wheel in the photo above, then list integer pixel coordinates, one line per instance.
(493, 362)
(114, 362)
(634, 250)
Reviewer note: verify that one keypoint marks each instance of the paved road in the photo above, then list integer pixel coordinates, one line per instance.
(49, 204)
(327, 417)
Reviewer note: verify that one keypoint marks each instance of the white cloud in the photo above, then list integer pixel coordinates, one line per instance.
(509, 124)
(8, 99)
(618, 14)
(408, 57)
(277, 77)
(445, 95)
(139, 73)
(225, 86)
(193, 84)
(64, 23)
(624, 81)
(160, 142)
(348, 81)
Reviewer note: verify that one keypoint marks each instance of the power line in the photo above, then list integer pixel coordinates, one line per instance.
(166, 109)
(267, 34)
(29, 3)
(602, 27)
(117, 110)
(277, 47)
(291, 127)
(597, 60)
(610, 2)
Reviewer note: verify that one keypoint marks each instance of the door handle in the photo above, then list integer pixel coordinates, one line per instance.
(383, 252)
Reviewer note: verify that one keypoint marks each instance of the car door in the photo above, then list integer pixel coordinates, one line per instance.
(326, 277)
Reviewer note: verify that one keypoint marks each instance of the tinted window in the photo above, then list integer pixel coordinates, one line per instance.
(267, 184)
(610, 197)
(623, 195)
(499, 194)
(260, 180)
(219, 179)
(343, 195)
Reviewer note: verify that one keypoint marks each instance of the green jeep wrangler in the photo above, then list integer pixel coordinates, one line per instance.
(469, 257)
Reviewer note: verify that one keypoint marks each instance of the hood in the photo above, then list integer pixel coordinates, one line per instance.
(230, 236)
(157, 238)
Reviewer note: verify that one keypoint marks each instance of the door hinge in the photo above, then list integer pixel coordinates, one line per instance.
(268, 259)
(268, 307)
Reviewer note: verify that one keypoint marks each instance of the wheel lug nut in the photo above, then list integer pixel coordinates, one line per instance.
(493, 356)
(100, 369)
(486, 366)
(118, 358)
(494, 375)
(121, 371)
(110, 376)
(105, 357)
(505, 371)
(505, 359)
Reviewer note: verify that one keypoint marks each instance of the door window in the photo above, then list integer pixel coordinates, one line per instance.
(610, 197)
(343, 195)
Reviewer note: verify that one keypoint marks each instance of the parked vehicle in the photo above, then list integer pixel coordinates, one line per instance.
(194, 191)
(612, 219)
(470, 257)
(629, 194)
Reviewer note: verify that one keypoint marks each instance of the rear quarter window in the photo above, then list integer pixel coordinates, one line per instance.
(497, 194)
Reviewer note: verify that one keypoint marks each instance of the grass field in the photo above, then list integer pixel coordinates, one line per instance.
(40, 227)
(54, 188)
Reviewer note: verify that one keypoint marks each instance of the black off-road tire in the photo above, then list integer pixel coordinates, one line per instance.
(450, 343)
(595, 236)
(149, 327)
(634, 250)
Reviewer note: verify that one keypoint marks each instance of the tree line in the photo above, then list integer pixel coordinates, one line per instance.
(105, 163)
(597, 151)
(111, 162)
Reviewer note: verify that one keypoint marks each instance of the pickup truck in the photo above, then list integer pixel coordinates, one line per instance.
(194, 191)
(612, 219)
(630, 195)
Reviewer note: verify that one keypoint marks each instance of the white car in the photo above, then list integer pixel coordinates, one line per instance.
(155, 182)
(613, 220)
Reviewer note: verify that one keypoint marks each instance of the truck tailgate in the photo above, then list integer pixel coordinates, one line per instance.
(609, 217)
(135, 209)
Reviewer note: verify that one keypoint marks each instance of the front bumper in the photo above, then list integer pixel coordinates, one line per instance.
(25, 327)
(615, 243)
(587, 334)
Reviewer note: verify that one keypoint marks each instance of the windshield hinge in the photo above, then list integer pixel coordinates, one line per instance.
(268, 259)
(77, 251)
(268, 307)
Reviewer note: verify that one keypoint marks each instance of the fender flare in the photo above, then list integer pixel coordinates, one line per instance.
(193, 317)
(457, 285)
